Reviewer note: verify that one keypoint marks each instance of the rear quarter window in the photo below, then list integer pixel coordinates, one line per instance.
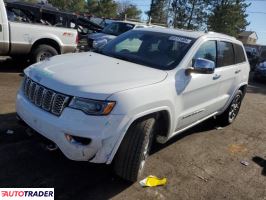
(239, 53)
(226, 55)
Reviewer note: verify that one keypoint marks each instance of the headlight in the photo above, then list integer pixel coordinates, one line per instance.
(92, 107)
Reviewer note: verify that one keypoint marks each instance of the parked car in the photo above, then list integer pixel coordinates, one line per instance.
(260, 71)
(46, 14)
(145, 85)
(263, 54)
(103, 22)
(111, 31)
(253, 57)
(18, 37)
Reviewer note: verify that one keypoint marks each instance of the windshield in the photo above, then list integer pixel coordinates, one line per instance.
(153, 49)
(117, 28)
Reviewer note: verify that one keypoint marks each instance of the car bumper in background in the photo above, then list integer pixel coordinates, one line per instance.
(68, 49)
(260, 76)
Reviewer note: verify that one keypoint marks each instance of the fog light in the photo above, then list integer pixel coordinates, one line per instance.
(78, 140)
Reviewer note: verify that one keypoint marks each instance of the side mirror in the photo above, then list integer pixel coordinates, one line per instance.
(202, 66)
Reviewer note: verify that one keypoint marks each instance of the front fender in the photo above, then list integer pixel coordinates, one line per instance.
(129, 121)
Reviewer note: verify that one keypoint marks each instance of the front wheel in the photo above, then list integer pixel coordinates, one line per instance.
(43, 52)
(132, 154)
(230, 114)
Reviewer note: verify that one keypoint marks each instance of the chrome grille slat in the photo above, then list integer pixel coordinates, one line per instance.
(32, 89)
(27, 85)
(47, 100)
(59, 103)
(39, 96)
(44, 98)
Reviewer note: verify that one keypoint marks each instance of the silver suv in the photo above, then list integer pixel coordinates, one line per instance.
(146, 85)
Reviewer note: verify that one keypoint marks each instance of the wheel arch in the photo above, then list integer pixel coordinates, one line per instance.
(162, 114)
(47, 41)
(243, 88)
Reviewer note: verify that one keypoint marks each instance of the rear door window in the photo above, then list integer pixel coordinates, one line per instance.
(239, 52)
(226, 55)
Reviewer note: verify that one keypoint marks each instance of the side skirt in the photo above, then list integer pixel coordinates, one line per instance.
(162, 139)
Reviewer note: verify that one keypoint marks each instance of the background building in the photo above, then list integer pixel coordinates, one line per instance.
(248, 37)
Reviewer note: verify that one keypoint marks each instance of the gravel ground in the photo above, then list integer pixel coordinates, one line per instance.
(202, 163)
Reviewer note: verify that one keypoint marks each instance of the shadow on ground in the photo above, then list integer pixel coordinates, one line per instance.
(257, 88)
(9, 65)
(201, 128)
(25, 162)
(261, 162)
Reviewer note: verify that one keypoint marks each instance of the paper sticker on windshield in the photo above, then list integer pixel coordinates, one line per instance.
(180, 39)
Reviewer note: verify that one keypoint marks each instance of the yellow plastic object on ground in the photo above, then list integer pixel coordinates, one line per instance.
(153, 181)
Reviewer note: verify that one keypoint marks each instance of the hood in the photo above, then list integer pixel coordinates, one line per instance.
(92, 75)
(101, 36)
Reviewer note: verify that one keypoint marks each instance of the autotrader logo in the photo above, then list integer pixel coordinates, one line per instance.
(26, 193)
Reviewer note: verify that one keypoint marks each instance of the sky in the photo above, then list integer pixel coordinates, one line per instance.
(256, 12)
(257, 17)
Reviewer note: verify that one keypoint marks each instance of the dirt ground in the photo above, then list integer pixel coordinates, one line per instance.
(202, 163)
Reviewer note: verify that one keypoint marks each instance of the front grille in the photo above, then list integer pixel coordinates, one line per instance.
(45, 98)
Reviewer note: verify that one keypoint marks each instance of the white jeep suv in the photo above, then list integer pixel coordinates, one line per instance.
(145, 85)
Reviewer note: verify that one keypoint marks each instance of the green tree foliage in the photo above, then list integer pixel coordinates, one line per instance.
(91, 6)
(131, 11)
(103, 8)
(159, 11)
(229, 17)
(190, 14)
(69, 5)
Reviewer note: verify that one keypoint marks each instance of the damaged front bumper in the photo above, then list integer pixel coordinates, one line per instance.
(103, 132)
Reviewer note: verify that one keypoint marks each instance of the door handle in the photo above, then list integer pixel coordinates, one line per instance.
(237, 71)
(217, 76)
(0, 27)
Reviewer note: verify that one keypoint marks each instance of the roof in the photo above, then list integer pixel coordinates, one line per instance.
(188, 33)
(130, 22)
(247, 33)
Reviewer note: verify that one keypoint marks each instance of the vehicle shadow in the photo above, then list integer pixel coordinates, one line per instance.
(25, 162)
(9, 65)
(203, 127)
(261, 162)
(256, 88)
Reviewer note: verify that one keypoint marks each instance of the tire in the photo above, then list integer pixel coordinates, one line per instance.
(43, 52)
(134, 149)
(230, 114)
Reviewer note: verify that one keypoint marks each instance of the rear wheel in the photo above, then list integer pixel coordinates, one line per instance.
(132, 154)
(43, 52)
(230, 114)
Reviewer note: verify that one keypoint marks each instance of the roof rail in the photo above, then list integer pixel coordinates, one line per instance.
(222, 34)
